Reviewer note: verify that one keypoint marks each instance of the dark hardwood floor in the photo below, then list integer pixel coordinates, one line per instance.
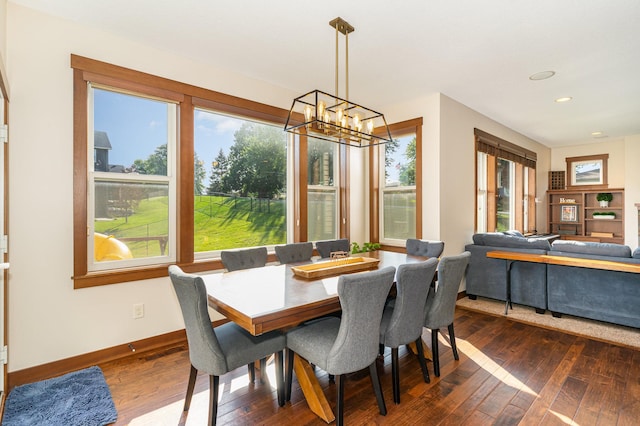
(508, 373)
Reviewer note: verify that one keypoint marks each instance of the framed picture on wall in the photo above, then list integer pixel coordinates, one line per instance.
(587, 171)
(569, 213)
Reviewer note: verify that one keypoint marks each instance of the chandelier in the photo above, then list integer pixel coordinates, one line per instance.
(335, 119)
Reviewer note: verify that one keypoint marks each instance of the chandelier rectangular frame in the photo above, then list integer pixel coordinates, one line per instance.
(335, 119)
(329, 117)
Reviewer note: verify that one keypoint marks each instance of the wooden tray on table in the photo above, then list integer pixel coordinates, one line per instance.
(335, 267)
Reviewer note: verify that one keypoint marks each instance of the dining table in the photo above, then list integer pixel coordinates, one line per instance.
(278, 297)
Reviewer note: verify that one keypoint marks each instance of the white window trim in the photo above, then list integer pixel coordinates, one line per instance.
(512, 192)
(383, 190)
(482, 192)
(335, 188)
(172, 132)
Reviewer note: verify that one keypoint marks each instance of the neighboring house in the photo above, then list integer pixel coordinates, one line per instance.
(102, 147)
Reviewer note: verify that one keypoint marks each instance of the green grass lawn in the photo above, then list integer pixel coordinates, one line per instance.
(219, 223)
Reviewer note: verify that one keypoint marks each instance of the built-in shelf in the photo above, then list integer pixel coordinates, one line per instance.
(571, 215)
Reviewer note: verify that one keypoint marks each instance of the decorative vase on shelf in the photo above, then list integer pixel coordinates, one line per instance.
(604, 198)
(604, 215)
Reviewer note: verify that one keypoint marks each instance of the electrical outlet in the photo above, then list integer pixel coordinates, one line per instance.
(138, 310)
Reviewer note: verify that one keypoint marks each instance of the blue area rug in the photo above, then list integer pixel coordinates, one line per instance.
(79, 398)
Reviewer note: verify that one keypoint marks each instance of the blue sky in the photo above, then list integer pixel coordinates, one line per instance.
(393, 174)
(137, 126)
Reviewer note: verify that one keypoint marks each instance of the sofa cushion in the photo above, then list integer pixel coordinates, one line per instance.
(514, 233)
(636, 253)
(508, 241)
(479, 238)
(591, 248)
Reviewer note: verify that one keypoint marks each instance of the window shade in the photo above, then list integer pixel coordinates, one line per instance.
(497, 147)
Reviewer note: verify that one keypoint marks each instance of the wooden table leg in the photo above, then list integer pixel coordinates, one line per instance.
(311, 389)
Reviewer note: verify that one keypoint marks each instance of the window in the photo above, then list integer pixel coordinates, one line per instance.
(398, 183)
(131, 184)
(505, 185)
(239, 183)
(153, 194)
(322, 190)
(504, 200)
(396, 170)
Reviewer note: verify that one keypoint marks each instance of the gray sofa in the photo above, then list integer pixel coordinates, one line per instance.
(602, 295)
(488, 277)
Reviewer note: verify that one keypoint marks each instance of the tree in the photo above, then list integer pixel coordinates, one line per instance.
(218, 170)
(199, 174)
(129, 195)
(155, 164)
(389, 149)
(257, 161)
(319, 151)
(408, 171)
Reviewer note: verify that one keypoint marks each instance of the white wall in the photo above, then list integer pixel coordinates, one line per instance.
(48, 320)
(457, 183)
(632, 191)
(427, 107)
(3, 29)
(623, 172)
(3, 38)
(449, 166)
(615, 163)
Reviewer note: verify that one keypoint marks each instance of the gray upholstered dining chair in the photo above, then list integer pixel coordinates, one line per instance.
(294, 252)
(440, 309)
(402, 323)
(424, 247)
(350, 344)
(325, 248)
(223, 349)
(234, 260)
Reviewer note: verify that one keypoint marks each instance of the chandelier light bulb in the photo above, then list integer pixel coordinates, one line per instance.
(357, 123)
(370, 126)
(339, 114)
(308, 113)
(321, 110)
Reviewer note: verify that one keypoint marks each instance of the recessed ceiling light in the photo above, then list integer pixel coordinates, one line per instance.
(598, 134)
(564, 99)
(543, 75)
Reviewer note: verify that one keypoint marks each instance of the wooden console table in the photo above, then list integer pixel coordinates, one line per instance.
(579, 262)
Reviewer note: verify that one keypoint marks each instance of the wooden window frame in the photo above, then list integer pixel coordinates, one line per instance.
(187, 97)
(400, 128)
(496, 148)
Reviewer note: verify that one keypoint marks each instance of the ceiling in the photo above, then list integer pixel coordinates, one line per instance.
(478, 53)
